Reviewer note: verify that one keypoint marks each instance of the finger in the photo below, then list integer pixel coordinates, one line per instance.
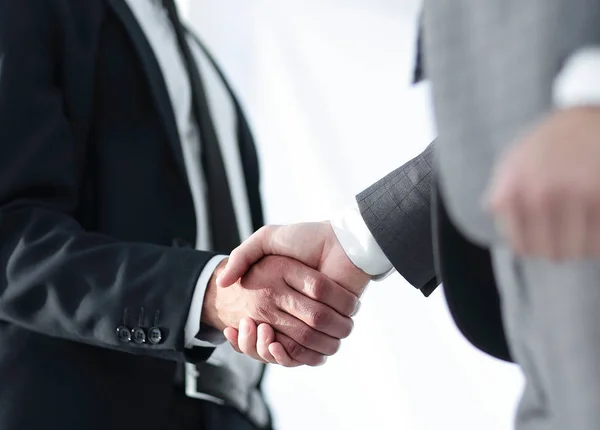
(305, 335)
(510, 223)
(231, 335)
(316, 315)
(538, 231)
(315, 285)
(296, 352)
(266, 336)
(505, 201)
(245, 255)
(247, 338)
(573, 240)
(281, 356)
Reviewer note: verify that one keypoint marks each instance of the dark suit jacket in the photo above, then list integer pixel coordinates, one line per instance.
(407, 217)
(93, 194)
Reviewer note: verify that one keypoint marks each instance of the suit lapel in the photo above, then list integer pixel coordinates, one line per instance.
(154, 76)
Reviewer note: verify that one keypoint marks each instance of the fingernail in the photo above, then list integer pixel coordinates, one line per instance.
(322, 362)
(358, 304)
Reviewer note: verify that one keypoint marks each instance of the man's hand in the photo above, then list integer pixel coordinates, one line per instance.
(546, 192)
(260, 343)
(309, 311)
(313, 244)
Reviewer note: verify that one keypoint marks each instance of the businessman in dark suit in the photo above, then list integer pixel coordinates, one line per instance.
(127, 173)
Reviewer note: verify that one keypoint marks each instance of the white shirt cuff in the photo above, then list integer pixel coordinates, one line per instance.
(578, 83)
(360, 245)
(209, 337)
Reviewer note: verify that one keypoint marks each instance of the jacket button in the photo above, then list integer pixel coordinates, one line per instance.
(139, 335)
(124, 334)
(154, 335)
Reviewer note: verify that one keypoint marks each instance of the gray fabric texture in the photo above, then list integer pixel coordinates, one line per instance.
(397, 211)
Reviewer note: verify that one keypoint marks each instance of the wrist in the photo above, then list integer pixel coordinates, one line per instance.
(333, 244)
(210, 312)
(359, 244)
(340, 267)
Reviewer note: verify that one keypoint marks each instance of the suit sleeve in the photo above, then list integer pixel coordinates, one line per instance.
(397, 211)
(57, 279)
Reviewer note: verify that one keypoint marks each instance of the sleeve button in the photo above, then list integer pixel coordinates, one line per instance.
(139, 336)
(155, 335)
(124, 334)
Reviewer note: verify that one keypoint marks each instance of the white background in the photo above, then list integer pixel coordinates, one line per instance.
(326, 87)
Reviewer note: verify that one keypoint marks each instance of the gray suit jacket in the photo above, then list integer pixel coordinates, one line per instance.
(397, 210)
(492, 65)
(408, 219)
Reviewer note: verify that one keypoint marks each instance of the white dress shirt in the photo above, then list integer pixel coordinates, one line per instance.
(576, 85)
(156, 25)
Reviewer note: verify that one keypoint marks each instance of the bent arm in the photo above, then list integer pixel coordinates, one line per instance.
(397, 212)
(56, 278)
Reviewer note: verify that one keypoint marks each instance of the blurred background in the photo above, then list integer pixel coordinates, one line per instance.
(326, 86)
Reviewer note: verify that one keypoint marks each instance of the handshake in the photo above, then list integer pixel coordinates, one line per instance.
(286, 295)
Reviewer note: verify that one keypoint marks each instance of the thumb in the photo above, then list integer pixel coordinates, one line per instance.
(234, 270)
(243, 257)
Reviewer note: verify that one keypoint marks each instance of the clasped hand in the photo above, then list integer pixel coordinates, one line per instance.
(286, 295)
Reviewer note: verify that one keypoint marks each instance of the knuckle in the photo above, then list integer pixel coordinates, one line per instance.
(268, 295)
(320, 318)
(295, 350)
(316, 287)
(334, 347)
(347, 328)
(287, 301)
(350, 306)
(263, 312)
(304, 336)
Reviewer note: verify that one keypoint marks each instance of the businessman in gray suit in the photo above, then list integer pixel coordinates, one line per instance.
(517, 188)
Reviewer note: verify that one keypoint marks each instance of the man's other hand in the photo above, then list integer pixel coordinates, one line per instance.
(546, 191)
(262, 343)
(309, 311)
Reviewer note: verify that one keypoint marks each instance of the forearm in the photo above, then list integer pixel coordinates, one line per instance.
(397, 212)
(64, 282)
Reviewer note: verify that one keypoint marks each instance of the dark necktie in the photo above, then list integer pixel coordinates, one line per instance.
(225, 234)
